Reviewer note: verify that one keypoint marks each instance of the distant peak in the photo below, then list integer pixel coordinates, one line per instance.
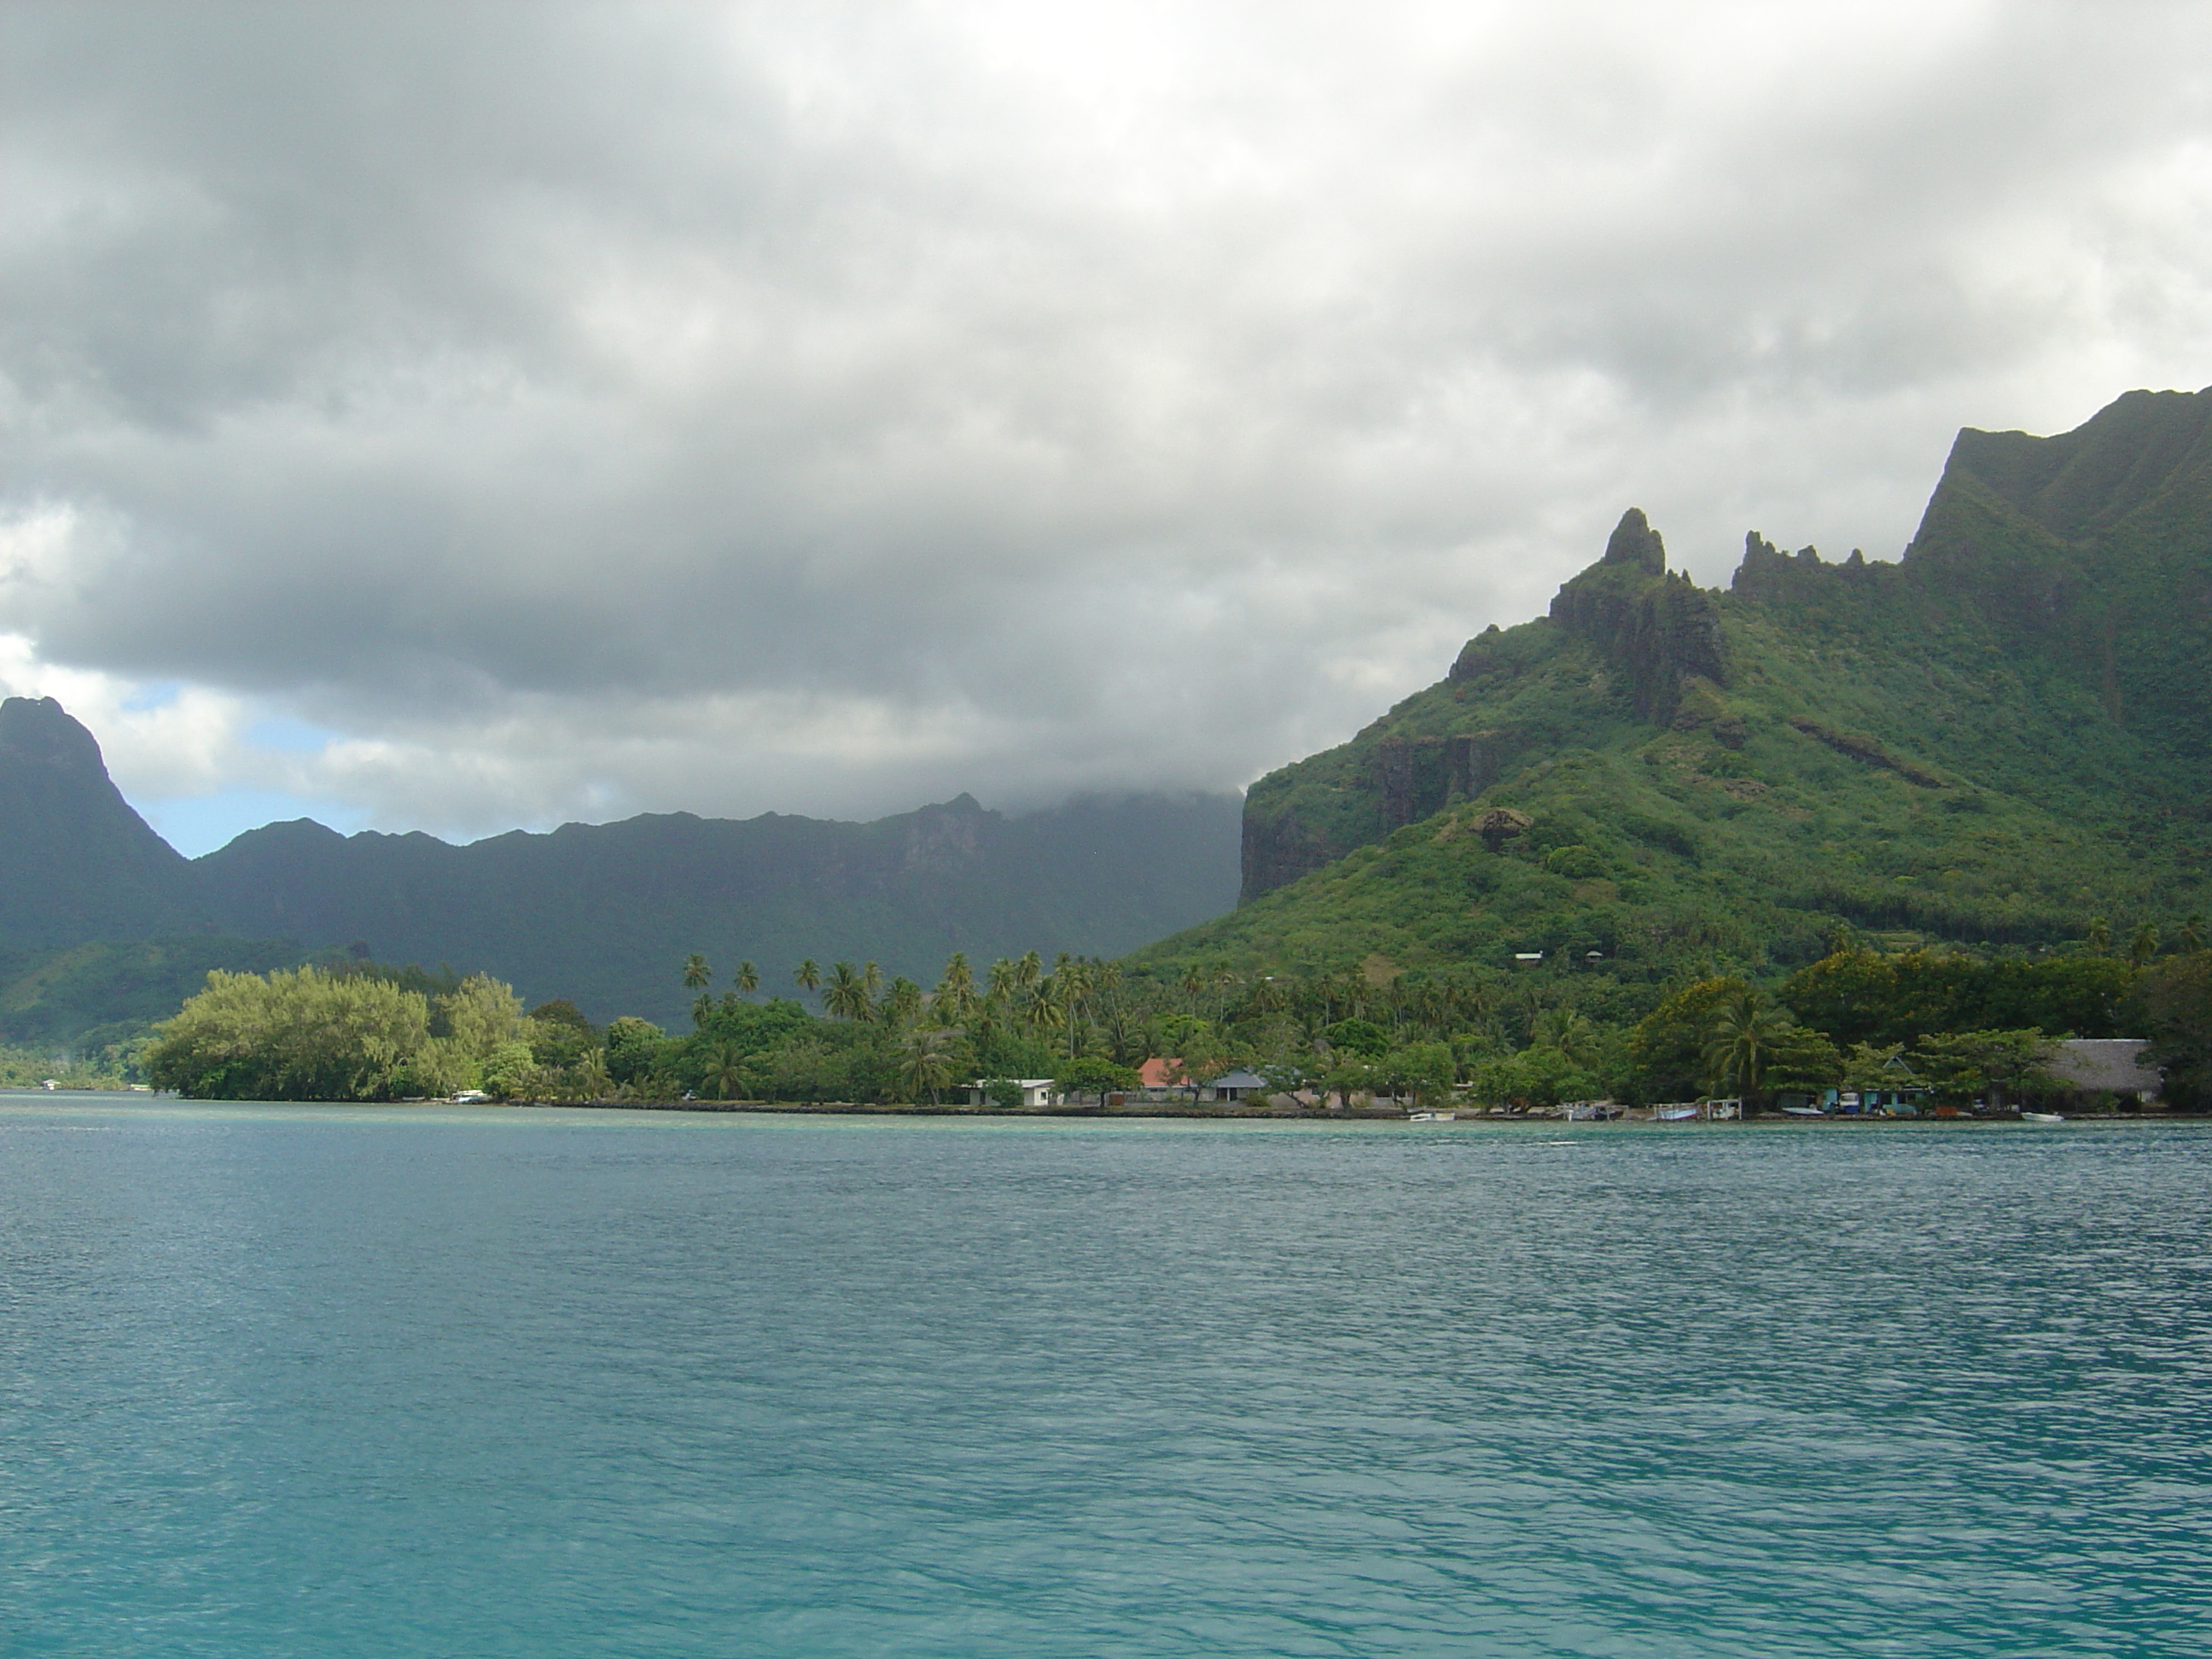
(40, 731)
(1635, 541)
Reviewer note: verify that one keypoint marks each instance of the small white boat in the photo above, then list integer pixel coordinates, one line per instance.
(1432, 1117)
(2041, 1117)
(1802, 1111)
(1675, 1114)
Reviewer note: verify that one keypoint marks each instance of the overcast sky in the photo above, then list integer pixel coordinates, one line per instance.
(466, 416)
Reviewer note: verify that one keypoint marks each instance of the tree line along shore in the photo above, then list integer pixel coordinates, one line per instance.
(1957, 1026)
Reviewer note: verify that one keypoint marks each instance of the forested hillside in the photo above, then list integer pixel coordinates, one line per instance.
(2003, 742)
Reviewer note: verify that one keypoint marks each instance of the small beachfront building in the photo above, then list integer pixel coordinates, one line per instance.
(1237, 1086)
(1037, 1092)
(2090, 1066)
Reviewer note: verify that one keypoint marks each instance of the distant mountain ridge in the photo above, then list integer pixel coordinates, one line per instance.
(2003, 739)
(605, 913)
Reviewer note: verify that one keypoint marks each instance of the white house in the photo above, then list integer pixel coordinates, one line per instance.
(1037, 1092)
(1238, 1085)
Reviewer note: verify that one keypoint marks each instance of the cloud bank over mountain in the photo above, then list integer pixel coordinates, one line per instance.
(463, 416)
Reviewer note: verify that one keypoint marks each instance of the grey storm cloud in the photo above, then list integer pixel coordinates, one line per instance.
(582, 408)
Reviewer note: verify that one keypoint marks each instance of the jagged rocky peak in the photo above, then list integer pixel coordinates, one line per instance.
(40, 731)
(1659, 629)
(1635, 541)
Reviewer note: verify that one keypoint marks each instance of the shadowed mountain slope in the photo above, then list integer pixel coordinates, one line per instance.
(604, 914)
(76, 861)
(2002, 738)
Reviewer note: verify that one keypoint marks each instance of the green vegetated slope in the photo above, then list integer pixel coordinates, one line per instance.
(1996, 741)
(84, 998)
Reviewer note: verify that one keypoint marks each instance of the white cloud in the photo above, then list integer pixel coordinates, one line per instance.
(578, 411)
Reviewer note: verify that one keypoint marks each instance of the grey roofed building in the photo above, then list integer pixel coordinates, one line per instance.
(2097, 1066)
(1235, 1085)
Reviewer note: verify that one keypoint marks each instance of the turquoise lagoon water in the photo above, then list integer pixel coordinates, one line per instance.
(331, 1382)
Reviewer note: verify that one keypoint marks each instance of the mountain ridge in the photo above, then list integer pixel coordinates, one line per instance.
(1993, 741)
(602, 914)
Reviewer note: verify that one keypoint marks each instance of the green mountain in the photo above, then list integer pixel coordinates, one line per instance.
(103, 925)
(605, 913)
(2003, 739)
(75, 862)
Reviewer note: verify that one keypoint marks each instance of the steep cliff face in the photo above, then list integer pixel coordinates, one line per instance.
(1993, 740)
(76, 861)
(1660, 630)
(1626, 641)
(2093, 549)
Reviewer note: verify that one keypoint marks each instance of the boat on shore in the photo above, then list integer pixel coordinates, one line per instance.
(2041, 1117)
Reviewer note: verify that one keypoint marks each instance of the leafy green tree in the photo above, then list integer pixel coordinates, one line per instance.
(479, 1015)
(1876, 1066)
(1533, 1078)
(294, 1035)
(1090, 1075)
(1426, 1071)
(558, 1034)
(1666, 1050)
(1960, 1065)
(633, 1049)
(1359, 1036)
(509, 1072)
(2098, 937)
(2175, 998)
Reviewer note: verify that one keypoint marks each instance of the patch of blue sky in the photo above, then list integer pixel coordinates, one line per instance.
(154, 693)
(194, 824)
(288, 737)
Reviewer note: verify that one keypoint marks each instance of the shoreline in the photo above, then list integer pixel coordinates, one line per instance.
(1261, 1114)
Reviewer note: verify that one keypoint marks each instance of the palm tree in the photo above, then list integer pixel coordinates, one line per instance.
(1570, 1032)
(593, 1081)
(955, 995)
(2192, 934)
(2099, 936)
(1742, 1041)
(903, 1004)
(696, 974)
(871, 982)
(1005, 983)
(725, 1069)
(1193, 982)
(926, 1060)
(2144, 945)
(1042, 1006)
(748, 980)
(807, 975)
(1028, 971)
(847, 997)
